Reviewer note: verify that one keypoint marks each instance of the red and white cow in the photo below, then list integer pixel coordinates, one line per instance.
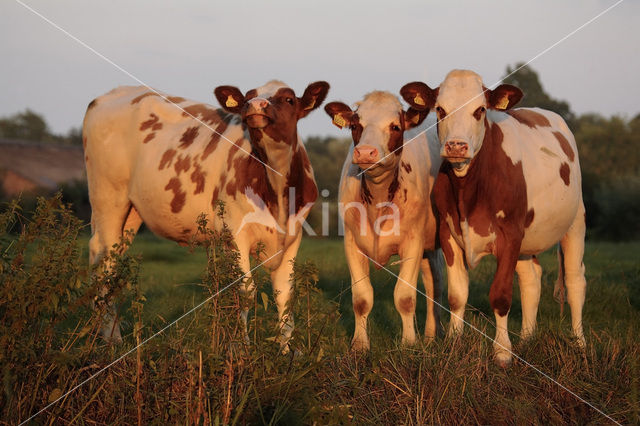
(150, 161)
(385, 205)
(511, 187)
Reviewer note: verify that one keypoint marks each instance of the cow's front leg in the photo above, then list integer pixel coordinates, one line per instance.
(500, 295)
(457, 282)
(432, 278)
(281, 277)
(361, 291)
(404, 294)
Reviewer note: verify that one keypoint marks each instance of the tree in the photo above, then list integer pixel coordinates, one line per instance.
(534, 95)
(26, 125)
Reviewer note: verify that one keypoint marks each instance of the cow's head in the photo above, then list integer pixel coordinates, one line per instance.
(461, 103)
(271, 112)
(377, 128)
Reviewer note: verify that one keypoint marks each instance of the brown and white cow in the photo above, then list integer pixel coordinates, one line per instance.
(511, 187)
(149, 160)
(385, 205)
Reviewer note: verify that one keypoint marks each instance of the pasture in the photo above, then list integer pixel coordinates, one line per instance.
(197, 371)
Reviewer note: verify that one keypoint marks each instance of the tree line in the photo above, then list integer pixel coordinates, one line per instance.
(608, 147)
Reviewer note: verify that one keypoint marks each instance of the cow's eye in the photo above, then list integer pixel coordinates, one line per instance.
(478, 112)
(441, 112)
(395, 127)
(289, 101)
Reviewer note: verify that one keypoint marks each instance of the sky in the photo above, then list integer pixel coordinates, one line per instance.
(187, 48)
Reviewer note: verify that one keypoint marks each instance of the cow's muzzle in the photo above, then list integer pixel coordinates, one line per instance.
(365, 155)
(256, 115)
(456, 151)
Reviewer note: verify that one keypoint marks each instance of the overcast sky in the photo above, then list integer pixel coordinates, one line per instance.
(188, 48)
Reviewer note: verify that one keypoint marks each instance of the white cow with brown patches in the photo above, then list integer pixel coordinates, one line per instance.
(149, 161)
(510, 186)
(385, 205)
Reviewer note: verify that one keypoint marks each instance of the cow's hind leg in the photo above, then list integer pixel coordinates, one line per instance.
(572, 246)
(432, 279)
(529, 280)
(109, 220)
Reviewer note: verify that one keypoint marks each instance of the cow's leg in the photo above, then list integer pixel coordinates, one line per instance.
(404, 294)
(281, 278)
(110, 218)
(432, 279)
(361, 291)
(530, 285)
(501, 293)
(457, 283)
(572, 245)
(247, 287)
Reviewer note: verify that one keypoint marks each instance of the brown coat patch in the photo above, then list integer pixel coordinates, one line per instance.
(564, 173)
(197, 177)
(528, 219)
(215, 138)
(299, 178)
(166, 159)
(175, 99)
(179, 196)
(529, 117)
(141, 97)
(150, 123)
(182, 164)
(360, 307)
(149, 137)
(250, 172)
(188, 137)
(406, 167)
(407, 305)
(564, 144)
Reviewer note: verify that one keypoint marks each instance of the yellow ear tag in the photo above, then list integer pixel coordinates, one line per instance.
(311, 105)
(231, 102)
(503, 103)
(418, 100)
(415, 119)
(339, 121)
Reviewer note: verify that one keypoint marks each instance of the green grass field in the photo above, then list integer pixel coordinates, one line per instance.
(171, 281)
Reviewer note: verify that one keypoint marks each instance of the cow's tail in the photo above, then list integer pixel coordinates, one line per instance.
(560, 289)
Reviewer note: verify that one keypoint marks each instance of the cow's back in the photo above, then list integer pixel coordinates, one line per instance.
(546, 147)
(171, 165)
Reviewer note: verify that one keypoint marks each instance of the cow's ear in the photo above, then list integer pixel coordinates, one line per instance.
(312, 98)
(419, 95)
(340, 114)
(413, 117)
(230, 98)
(503, 97)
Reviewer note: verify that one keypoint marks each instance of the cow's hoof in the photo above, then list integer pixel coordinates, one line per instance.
(359, 346)
(503, 359)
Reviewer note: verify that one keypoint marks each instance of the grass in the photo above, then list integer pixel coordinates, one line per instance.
(171, 277)
(190, 375)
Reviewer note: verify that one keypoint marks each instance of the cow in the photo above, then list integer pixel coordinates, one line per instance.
(510, 186)
(385, 207)
(164, 160)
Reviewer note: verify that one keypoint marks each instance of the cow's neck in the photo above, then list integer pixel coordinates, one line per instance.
(476, 185)
(277, 156)
(380, 188)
